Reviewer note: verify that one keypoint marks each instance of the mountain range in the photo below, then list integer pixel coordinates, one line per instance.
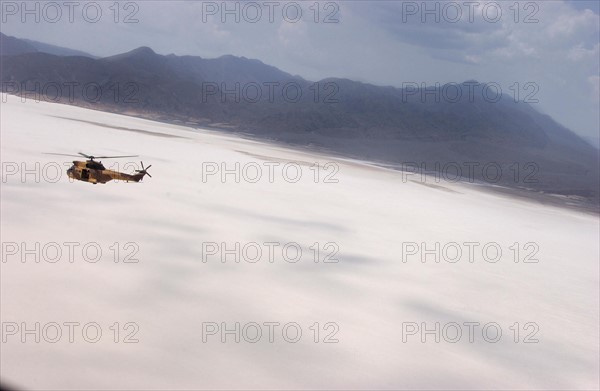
(388, 125)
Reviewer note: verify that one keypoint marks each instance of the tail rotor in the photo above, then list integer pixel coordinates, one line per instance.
(144, 170)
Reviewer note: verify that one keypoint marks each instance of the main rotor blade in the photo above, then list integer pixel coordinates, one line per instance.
(89, 156)
(104, 157)
(59, 154)
(113, 157)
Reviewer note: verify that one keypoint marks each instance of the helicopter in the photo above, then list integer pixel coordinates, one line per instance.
(93, 171)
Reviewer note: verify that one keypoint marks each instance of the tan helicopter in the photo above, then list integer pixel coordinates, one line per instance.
(94, 172)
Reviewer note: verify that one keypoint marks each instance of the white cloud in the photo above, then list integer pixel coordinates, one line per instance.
(580, 53)
(572, 23)
(291, 33)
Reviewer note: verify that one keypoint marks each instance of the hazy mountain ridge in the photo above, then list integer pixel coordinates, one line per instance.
(11, 46)
(57, 50)
(379, 123)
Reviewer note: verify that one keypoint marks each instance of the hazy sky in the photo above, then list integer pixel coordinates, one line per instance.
(552, 45)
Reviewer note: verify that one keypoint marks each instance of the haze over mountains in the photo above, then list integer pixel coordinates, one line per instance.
(433, 129)
(11, 45)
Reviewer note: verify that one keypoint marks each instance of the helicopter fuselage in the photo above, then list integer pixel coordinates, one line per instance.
(95, 172)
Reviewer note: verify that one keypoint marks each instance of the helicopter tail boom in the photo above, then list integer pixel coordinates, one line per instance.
(138, 176)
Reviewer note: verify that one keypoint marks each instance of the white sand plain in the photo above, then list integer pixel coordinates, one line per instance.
(371, 296)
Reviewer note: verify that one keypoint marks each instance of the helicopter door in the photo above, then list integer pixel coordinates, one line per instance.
(85, 174)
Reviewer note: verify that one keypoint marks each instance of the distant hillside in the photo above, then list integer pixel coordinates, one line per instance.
(11, 46)
(57, 50)
(594, 141)
(383, 124)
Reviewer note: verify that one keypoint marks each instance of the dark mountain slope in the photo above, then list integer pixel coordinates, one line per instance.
(379, 123)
